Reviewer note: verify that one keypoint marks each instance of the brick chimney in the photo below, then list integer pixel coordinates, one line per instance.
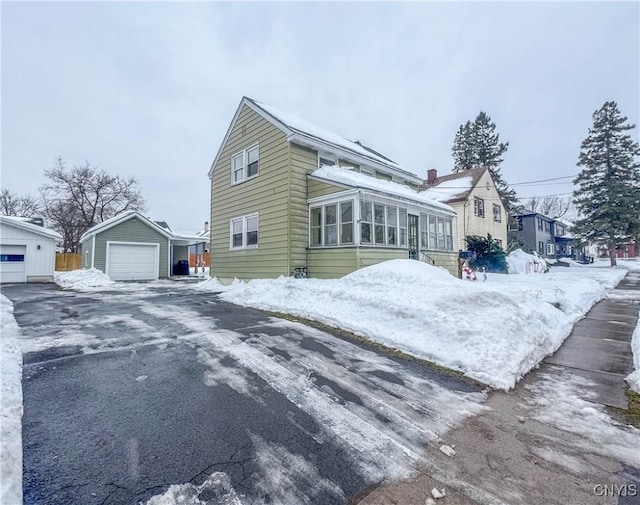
(432, 176)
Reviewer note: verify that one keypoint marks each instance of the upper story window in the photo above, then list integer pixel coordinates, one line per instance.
(478, 207)
(244, 165)
(547, 226)
(560, 230)
(540, 225)
(497, 213)
(326, 160)
(244, 232)
(367, 171)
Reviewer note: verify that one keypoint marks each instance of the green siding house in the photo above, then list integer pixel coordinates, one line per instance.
(290, 198)
(131, 247)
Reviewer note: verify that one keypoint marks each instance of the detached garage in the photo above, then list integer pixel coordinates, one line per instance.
(27, 251)
(131, 247)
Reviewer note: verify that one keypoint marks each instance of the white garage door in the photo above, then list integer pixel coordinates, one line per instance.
(13, 267)
(132, 262)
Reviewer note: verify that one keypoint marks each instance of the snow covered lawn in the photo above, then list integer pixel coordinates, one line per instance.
(493, 331)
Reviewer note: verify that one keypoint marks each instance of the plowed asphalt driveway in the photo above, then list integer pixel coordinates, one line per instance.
(130, 391)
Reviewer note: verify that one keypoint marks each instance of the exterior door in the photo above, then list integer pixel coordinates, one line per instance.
(413, 237)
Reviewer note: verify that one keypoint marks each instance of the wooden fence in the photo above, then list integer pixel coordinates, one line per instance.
(68, 261)
(192, 259)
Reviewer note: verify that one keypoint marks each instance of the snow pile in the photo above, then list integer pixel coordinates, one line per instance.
(85, 278)
(213, 284)
(10, 407)
(493, 331)
(634, 378)
(520, 262)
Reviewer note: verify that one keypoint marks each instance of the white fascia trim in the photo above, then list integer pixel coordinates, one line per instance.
(257, 110)
(99, 228)
(342, 195)
(321, 145)
(34, 228)
(93, 253)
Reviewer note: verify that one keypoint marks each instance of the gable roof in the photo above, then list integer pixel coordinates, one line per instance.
(454, 187)
(306, 133)
(121, 218)
(24, 224)
(354, 179)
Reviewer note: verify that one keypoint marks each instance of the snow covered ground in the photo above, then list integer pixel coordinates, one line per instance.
(493, 331)
(10, 407)
(83, 279)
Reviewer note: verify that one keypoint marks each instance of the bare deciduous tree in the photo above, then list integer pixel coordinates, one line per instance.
(77, 198)
(551, 206)
(21, 206)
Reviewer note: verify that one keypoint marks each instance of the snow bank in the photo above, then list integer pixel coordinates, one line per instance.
(85, 278)
(216, 490)
(10, 407)
(520, 262)
(494, 332)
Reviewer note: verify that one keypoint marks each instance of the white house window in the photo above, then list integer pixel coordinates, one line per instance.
(448, 235)
(392, 225)
(403, 227)
(478, 207)
(551, 249)
(244, 232)
(378, 229)
(497, 213)
(424, 231)
(367, 171)
(433, 234)
(541, 247)
(244, 164)
(366, 221)
(326, 160)
(331, 224)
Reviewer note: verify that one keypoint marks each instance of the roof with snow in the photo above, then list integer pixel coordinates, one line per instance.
(302, 131)
(25, 224)
(357, 180)
(454, 187)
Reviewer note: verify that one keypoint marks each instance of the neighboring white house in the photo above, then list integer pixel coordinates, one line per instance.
(27, 251)
(474, 197)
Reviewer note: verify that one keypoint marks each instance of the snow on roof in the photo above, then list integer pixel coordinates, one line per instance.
(23, 223)
(307, 128)
(356, 179)
(449, 190)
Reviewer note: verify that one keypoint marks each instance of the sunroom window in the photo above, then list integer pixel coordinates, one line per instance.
(331, 224)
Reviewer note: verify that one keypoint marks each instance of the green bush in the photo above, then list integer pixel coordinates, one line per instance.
(488, 253)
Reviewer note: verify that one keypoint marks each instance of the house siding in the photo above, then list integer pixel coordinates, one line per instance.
(470, 224)
(332, 263)
(131, 230)
(371, 255)
(316, 189)
(39, 263)
(267, 195)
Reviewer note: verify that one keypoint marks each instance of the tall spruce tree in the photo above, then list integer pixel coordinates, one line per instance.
(608, 193)
(477, 144)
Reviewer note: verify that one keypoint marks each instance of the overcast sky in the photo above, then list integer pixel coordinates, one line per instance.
(148, 89)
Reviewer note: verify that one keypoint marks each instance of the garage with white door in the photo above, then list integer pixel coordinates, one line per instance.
(132, 247)
(132, 262)
(27, 250)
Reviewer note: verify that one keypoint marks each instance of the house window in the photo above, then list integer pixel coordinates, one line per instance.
(541, 247)
(403, 227)
(478, 207)
(547, 227)
(378, 228)
(424, 231)
(448, 234)
(366, 220)
(244, 232)
(244, 165)
(441, 234)
(331, 224)
(433, 235)
(326, 161)
(392, 225)
(367, 171)
(560, 230)
(499, 242)
(551, 249)
(540, 225)
(497, 213)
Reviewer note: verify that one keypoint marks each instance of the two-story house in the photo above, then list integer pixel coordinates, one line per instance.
(547, 236)
(473, 196)
(291, 198)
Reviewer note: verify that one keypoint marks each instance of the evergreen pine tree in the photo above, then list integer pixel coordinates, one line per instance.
(608, 193)
(463, 152)
(478, 145)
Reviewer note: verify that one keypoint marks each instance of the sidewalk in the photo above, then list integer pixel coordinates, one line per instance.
(552, 439)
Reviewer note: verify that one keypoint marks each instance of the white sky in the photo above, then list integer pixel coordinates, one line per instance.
(148, 89)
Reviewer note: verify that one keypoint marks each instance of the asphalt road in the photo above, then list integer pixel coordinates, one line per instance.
(127, 392)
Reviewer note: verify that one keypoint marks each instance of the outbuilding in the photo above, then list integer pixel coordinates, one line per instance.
(131, 247)
(27, 250)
